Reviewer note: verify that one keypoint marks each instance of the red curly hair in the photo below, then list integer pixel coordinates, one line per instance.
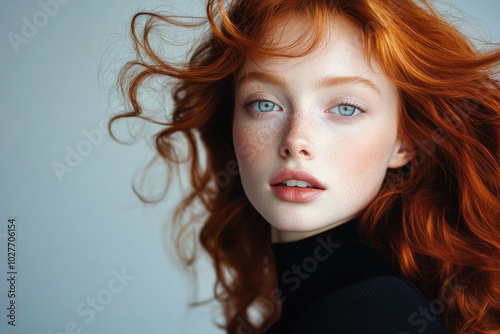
(437, 218)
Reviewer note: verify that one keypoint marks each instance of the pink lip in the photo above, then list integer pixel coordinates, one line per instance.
(290, 174)
(296, 194)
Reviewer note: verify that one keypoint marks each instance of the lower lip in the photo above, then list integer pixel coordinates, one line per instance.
(296, 194)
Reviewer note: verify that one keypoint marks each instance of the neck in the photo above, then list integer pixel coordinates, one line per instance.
(288, 236)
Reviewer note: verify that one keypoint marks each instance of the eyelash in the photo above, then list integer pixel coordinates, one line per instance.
(255, 112)
(356, 105)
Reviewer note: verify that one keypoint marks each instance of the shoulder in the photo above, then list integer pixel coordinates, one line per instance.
(383, 304)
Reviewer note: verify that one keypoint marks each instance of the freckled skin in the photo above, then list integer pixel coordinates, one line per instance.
(249, 143)
(349, 155)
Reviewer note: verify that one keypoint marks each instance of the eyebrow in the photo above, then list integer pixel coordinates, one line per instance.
(323, 83)
(260, 77)
(334, 81)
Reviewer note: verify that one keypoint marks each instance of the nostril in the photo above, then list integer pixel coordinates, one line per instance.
(295, 152)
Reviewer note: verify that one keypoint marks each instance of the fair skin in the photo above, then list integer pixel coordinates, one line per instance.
(328, 113)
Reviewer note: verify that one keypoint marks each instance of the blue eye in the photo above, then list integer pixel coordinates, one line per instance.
(264, 106)
(346, 110)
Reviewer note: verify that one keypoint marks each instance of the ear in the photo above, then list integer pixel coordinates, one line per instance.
(400, 156)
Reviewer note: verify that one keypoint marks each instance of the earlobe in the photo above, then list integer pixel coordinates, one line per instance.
(400, 156)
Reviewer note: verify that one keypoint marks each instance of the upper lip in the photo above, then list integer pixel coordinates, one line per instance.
(291, 174)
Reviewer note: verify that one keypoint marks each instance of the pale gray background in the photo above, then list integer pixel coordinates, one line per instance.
(73, 234)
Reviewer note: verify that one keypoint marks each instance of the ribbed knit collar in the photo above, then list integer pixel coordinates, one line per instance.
(311, 268)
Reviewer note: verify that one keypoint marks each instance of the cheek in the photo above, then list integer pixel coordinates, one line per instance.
(366, 158)
(250, 145)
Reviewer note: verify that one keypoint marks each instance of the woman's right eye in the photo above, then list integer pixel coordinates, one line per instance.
(264, 106)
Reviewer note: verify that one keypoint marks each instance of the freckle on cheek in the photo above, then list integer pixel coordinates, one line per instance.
(251, 145)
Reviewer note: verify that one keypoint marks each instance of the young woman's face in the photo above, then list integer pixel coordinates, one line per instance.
(328, 114)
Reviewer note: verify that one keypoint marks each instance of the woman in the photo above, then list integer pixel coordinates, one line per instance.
(352, 160)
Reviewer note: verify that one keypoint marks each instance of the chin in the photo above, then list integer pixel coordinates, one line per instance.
(297, 226)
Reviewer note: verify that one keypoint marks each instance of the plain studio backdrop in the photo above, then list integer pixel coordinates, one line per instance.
(89, 255)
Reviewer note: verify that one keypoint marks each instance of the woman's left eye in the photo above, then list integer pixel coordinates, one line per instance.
(264, 106)
(346, 110)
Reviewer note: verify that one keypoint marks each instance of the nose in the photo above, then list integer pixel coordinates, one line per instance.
(298, 137)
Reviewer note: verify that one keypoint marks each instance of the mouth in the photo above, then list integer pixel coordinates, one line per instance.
(297, 179)
(296, 184)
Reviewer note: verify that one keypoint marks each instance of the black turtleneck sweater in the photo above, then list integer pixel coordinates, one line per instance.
(332, 283)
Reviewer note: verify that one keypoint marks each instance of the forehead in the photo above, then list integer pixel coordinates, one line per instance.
(339, 52)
